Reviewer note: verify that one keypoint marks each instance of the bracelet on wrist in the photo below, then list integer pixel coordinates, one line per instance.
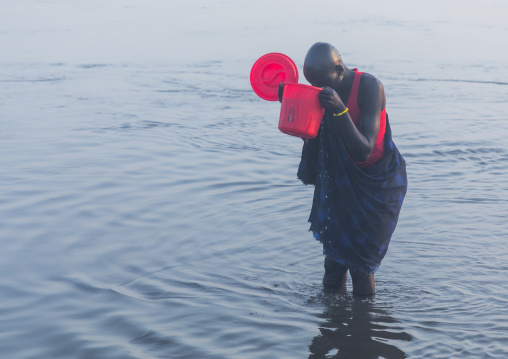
(340, 114)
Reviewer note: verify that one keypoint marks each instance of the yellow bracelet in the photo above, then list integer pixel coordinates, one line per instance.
(340, 114)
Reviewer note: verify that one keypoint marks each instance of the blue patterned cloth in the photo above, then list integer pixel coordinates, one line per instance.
(354, 210)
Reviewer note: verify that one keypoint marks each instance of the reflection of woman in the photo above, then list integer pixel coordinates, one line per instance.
(357, 329)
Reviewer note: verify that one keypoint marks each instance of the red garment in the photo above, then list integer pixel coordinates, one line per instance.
(356, 114)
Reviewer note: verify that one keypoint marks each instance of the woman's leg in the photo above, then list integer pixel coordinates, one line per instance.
(363, 284)
(335, 274)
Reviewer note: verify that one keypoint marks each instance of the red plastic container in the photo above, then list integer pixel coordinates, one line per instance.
(301, 112)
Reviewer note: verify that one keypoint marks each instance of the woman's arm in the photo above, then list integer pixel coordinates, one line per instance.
(360, 141)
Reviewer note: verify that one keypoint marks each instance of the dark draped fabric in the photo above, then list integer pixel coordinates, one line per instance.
(354, 210)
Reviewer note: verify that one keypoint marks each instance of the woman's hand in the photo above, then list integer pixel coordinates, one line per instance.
(330, 100)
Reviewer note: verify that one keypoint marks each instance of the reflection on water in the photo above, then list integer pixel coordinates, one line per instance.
(355, 327)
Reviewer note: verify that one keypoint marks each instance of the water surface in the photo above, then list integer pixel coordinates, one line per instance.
(149, 206)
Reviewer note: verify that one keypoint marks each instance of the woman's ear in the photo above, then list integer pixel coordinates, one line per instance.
(339, 69)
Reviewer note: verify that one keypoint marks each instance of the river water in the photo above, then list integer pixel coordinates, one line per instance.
(149, 207)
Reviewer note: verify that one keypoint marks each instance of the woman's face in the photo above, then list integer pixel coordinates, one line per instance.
(319, 76)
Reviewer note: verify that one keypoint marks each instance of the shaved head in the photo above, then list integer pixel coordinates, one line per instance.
(322, 54)
(321, 63)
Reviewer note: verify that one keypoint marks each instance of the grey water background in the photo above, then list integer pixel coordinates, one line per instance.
(149, 207)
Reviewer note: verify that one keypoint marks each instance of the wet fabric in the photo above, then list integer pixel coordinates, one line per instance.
(354, 210)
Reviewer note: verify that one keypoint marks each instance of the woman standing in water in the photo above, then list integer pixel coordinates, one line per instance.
(359, 175)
